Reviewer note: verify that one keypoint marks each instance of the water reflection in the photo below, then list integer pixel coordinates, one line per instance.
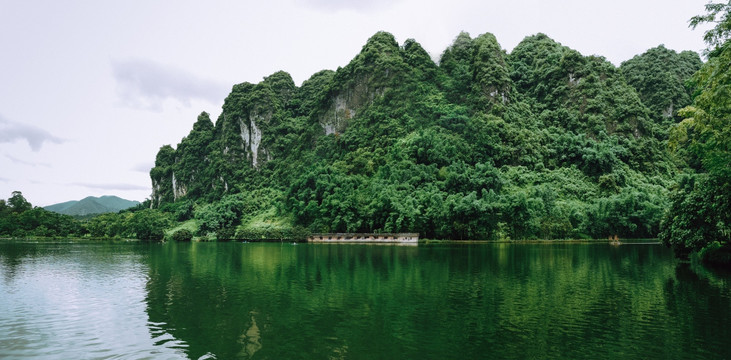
(250, 339)
(11, 258)
(66, 301)
(276, 301)
(441, 301)
(700, 304)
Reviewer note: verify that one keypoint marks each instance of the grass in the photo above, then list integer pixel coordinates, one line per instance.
(190, 225)
(267, 220)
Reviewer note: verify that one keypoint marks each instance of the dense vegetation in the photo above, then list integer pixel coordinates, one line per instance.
(18, 218)
(699, 218)
(539, 143)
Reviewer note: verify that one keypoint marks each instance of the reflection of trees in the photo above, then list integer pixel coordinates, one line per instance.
(357, 301)
(11, 257)
(700, 305)
(204, 295)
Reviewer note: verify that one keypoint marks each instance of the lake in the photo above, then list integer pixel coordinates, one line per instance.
(346, 301)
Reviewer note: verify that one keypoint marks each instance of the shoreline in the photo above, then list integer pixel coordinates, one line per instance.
(652, 241)
(544, 241)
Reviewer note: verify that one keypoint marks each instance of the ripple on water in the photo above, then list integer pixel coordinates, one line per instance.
(61, 304)
(446, 302)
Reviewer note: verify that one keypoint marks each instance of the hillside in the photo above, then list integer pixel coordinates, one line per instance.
(541, 142)
(92, 205)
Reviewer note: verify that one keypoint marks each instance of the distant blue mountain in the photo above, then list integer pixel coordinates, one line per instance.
(92, 205)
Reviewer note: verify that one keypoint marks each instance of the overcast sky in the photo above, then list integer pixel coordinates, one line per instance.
(90, 90)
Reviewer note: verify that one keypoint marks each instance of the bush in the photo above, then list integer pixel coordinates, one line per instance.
(225, 234)
(149, 225)
(182, 235)
(715, 254)
(297, 233)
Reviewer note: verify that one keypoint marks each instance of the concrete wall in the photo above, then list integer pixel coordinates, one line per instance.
(365, 238)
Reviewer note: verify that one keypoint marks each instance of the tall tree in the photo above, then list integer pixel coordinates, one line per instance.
(18, 203)
(719, 14)
(701, 212)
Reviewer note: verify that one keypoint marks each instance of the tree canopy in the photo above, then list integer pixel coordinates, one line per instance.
(700, 213)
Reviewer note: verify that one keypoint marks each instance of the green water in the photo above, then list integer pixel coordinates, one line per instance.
(322, 301)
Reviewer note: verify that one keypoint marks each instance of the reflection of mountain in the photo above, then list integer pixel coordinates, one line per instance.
(204, 294)
(277, 301)
(250, 339)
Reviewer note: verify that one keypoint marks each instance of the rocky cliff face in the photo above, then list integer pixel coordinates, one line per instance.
(249, 114)
(365, 79)
(246, 133)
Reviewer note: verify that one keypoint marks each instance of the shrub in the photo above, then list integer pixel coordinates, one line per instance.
(715, 254)
(225, 234)
(183, 235)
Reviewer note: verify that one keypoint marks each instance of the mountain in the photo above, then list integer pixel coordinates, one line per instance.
(92, 205)
(60, 206)
(541, 142)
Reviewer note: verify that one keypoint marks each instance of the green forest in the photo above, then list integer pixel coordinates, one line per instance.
(541, 142)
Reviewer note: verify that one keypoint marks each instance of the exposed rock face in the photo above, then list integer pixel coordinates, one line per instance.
(210, 158)
(380, 67)
(344, 106)
(251, 137)
(668, 112)
(179, 190)
(157, 193)
(255, 139)
(161, 175)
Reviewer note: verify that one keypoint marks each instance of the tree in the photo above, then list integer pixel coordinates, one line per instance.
(717, 37)
(149, 224)
(659, 76)
(18, 203)
(700, 215)
(222, 217)
(182, 235)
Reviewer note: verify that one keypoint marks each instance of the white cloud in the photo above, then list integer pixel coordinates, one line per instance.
(12, 131)
(147, 84)
(355, 5)
(144, 167)
(180, 58)
(26, 163)
(111, 187)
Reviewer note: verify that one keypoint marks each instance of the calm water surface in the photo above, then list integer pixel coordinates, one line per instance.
(320, 301)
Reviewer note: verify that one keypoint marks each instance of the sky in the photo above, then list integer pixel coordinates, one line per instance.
(90, 90)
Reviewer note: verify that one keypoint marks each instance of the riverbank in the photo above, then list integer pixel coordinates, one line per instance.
(544, 241)
(365, 241)
(63, 240)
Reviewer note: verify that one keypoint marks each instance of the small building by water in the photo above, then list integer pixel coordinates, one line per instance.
(364, 238)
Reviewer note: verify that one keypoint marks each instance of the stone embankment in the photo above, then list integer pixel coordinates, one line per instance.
(364, 238)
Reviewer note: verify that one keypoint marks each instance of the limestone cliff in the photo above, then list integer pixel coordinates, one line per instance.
(542, 106)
